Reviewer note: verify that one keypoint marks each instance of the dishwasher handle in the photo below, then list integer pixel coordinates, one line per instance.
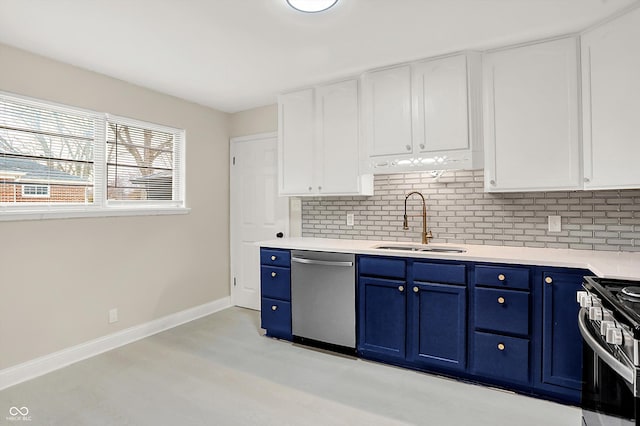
(320, 262)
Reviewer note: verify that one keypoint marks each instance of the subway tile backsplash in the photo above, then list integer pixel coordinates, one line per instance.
(459, 211)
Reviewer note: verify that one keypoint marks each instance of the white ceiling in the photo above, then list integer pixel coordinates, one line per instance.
(234, 55)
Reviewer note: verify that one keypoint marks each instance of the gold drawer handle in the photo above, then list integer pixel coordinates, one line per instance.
(548, 280)
(416, 289)
(400, 288)
(501, 300)
(273, 274)
(274, 308)
(501, 277)
(501, 346)
(273, 258)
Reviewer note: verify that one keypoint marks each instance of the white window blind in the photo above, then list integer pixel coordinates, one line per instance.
(143, 163)
(46, 146)
(60, 161)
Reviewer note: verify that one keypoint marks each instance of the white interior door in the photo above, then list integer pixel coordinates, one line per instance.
(257, 213)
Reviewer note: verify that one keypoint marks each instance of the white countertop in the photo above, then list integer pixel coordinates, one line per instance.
(602, 263)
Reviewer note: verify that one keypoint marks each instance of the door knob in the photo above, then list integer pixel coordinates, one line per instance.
(273, 258)
(273, 274)
(279, 235)
(400, 288)
(501, 300)
(416, 289)
(548, 280)
(501, 277)
(501, 346)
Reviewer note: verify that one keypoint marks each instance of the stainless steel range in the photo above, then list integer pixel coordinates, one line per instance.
(609, 321)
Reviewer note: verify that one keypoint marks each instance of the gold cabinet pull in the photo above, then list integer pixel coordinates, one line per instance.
(548, 280)
(501, 346)
(274, 308)
(501, 277)
(400, 288)
(273, 274)
(416, 289)
(273, 258)
(501, 300)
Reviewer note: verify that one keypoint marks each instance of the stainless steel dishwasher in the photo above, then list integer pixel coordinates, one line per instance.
(323, 297)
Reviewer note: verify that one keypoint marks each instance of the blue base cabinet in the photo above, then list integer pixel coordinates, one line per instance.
(437, 336)
(412, 313)
(560, 361)
(382, 307)
(501, 347)
(511, 326)
(275, 289)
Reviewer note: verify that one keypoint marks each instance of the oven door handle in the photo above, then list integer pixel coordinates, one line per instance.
(626, 372)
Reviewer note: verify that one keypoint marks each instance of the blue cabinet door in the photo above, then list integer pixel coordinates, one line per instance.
(561, 339)
(438, 324)
(382, 317)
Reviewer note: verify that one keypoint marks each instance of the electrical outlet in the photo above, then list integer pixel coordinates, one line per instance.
(350, 219)
(555, 224)
(113, 315)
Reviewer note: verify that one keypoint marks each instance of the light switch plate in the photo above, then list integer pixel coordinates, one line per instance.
(555, 223)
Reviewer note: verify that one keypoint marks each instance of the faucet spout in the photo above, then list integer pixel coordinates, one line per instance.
(426, 235)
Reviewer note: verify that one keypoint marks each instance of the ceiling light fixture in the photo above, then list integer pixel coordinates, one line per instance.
(311, 6)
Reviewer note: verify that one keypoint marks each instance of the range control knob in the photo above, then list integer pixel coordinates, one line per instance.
(595, 314)
(586, 301)
(580, 295)
(614, 336)
(605, 325)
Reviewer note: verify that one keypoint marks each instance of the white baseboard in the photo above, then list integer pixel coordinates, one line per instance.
(45, 364)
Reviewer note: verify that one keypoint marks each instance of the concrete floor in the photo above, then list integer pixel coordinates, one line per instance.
(220, 370)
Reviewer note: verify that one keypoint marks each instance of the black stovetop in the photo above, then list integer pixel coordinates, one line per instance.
(625, 309)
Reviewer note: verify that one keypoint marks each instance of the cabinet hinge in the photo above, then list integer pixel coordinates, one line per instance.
(234, 281)
(234, 161)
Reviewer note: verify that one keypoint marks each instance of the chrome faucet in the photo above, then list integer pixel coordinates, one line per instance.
(426, 236)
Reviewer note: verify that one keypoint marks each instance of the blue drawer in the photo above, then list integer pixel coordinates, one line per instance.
(276, 318)
(500, 357)
(275, 282)
(275, 257)
(440, 273)
(503, 276)
(502, 310)
(382, 267)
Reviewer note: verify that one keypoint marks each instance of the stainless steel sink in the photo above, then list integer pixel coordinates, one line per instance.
(435, 249)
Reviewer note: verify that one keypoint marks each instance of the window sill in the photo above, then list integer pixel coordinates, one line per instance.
(81, 213)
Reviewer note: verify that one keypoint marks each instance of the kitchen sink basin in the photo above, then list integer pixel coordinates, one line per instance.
(434, 249)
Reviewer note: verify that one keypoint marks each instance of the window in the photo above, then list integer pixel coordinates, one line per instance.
(65, 162)
(40, 191)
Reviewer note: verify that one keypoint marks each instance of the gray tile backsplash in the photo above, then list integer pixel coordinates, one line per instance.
(459, 211)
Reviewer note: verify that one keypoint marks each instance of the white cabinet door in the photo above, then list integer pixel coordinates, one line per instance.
(387, 111)
(611, 103)
(336, 164)
(296, 142)
(531, 118)
(440, 113)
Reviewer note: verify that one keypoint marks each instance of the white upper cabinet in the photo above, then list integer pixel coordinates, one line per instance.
(387, 112)
(611, 103)
(423, 116)
(447, 110)
(531, 113)
(296, 116)
(319, 142)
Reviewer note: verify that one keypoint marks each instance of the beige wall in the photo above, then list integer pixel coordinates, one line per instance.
(253, 121)
(60, 277)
